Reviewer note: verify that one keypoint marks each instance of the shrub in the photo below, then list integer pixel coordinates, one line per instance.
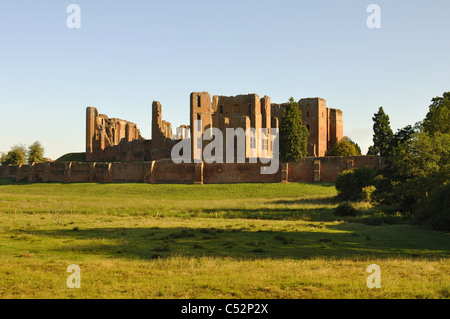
(384, 190)
(350, 183)
(366, 193)
(345, 209)
(380, 218)
(436, 212)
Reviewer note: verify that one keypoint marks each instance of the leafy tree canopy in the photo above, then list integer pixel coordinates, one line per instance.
(358, 149)
(16, 156)
(35, 153)
(424, 156)
(438, 116)
(372, 150)
(343, 148)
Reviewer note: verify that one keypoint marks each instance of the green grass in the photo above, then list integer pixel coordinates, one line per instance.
(209, 241)
(72, 157)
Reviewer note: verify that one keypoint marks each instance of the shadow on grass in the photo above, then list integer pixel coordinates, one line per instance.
(336, 241)
(326, 200)
(323, 212)
(311, 214)
(8, 181)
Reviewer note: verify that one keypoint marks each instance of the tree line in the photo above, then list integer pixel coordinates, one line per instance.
(415, 181)
(20, 154)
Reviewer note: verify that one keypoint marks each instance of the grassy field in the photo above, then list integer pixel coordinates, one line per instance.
(209, 241)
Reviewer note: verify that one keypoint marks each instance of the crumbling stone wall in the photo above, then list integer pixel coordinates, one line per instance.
(335, 127)
(224, 173)
(307, 169)
(8, 172)
(162, 141)
(223, 112)
(112, 139)
(118, 140)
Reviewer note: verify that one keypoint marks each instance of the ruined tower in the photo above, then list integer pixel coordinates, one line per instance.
(112, 139)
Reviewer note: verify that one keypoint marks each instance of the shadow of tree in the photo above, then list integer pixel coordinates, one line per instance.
(313, 214)
(332, 241)
(326, 200)
(7, 181)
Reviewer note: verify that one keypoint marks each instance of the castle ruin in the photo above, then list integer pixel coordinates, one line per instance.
(119, 140)
(116, 152)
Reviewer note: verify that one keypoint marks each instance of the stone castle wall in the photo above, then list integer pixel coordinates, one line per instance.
(112, 139)
(308, 169)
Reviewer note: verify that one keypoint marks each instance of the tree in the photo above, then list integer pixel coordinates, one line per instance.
(416, 178)
(293, 134)
(343, 148)
(403, 135)
(424, 156)
(16, 156)
(420, 164)
(372, 150)
(358, 149)
(436, 212)
(438, 117)
(382, 134)
(35, 153)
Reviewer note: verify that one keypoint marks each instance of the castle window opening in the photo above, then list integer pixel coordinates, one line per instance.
(252, 142)
(264, 145)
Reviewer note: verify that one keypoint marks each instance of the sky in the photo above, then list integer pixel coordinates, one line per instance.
(126, 54)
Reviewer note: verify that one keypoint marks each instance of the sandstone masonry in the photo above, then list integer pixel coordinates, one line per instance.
(307, 169)
(120, 140)
(116, 151)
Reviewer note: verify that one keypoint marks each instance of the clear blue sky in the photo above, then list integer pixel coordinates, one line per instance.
(129, 53)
